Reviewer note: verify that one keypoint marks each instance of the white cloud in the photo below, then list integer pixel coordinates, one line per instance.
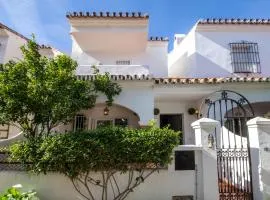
(25, 18)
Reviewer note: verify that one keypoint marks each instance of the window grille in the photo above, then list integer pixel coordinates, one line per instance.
(121, 122)
(79, 122)
(102, 123)
(123, 62)
(245, 57)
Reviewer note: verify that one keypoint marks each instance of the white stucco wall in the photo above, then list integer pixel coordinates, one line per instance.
(154, 57)
(259, 139)
(3, 46)
(161, 185)
(176, 99)
(12, 50)
(178, 107)
(212, 51)
(138, 97)
(181, 59)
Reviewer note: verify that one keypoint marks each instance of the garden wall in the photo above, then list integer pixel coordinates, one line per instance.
(161, 185)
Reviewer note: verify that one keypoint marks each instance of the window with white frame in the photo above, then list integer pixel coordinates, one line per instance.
(123, 62)
(245, 57)
(79, 122)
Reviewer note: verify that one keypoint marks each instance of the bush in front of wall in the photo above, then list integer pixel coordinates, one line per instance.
(95, 160)
(14, 193)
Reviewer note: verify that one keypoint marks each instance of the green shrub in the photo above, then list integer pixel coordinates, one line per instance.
(15, 194)
(106, 150)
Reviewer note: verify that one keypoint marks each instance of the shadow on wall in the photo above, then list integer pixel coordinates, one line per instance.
(207, 68)
(182, 66)
(196, 66)
(266, 178)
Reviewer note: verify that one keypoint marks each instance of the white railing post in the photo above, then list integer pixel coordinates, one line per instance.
(203, 128)
(208, 180)
(259, 141)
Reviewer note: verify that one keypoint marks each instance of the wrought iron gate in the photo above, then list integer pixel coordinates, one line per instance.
(233, 156)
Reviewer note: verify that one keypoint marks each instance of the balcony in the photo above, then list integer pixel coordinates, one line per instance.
(114, 69)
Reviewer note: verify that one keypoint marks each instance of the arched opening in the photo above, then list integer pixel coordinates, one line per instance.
(236, 119)
(101, 115)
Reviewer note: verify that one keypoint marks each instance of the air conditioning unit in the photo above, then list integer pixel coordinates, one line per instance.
(188, 197)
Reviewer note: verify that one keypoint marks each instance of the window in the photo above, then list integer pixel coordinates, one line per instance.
(245, 57)
(116, 122)
(174, 121)
(4, 129)
(123, 62)
(79, 123)
(101, 123)
(121, 122)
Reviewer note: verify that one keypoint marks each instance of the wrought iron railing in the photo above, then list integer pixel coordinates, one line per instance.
(6, 164)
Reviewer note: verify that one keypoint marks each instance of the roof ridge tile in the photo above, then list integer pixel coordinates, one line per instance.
(251, 21)
(129, 15)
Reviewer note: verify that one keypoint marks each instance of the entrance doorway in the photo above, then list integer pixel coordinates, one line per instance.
(175, 122)
(233, 111)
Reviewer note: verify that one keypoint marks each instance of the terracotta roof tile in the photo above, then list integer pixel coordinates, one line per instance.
(234, 21)
(115, 15)
(210, 80)
(117, 77)
(183, 81)
(45, 47)
(158, 39)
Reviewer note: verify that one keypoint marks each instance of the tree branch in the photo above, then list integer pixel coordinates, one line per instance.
(85, 184)
(78, 190)
(117, 186)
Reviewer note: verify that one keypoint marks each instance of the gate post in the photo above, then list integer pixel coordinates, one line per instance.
(208, 177)
(259, 141)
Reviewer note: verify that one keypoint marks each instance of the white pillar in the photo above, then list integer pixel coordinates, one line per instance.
(203, 127)
(208, 179)
(259, 140)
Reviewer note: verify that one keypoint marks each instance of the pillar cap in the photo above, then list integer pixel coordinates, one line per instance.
(258, 121)
(205, 122)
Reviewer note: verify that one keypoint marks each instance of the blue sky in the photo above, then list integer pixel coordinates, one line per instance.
(46, 18)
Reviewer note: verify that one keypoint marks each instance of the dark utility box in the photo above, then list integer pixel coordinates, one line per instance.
(182, 198)
(184, 160)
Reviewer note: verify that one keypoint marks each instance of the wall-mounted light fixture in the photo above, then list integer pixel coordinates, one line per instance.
(211, 141)
(156, 111)
(193, 111)
(106, 111)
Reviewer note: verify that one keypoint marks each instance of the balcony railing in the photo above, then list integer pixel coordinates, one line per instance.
(114, 69)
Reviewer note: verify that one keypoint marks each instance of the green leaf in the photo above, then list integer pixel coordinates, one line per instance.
(39, 93)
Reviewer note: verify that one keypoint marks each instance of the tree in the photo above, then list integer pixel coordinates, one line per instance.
(39, 93)
(99, 161)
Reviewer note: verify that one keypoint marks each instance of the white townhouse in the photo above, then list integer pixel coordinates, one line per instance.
(215, 55)
(11, 41)
(218, 70)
